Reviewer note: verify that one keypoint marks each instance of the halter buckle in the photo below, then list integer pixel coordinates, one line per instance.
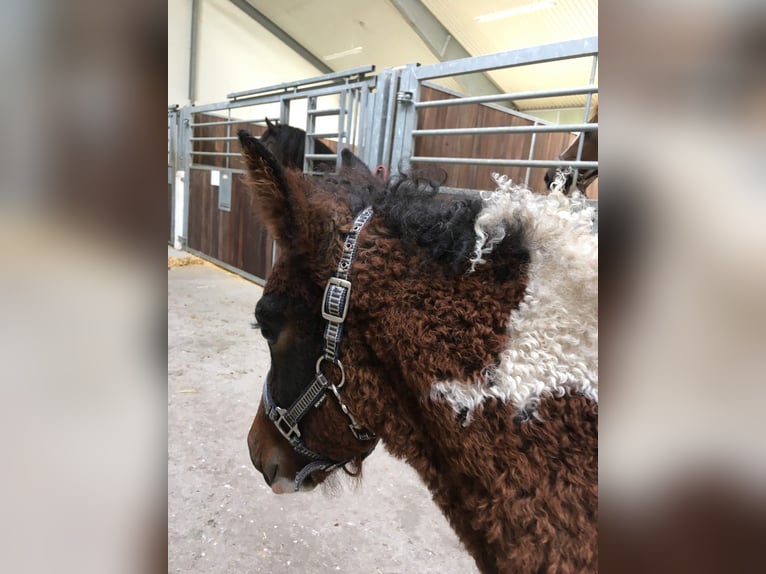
(290, 431)
(337, 295)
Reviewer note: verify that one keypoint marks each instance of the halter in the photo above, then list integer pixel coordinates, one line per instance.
(562, 174)
(337, 296)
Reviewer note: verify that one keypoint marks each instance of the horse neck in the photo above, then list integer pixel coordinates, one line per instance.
(496, 477)
(500, 480)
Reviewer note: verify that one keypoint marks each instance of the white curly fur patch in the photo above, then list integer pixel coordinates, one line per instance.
(553, 346)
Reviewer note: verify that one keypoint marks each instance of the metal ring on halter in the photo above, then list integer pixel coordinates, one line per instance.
(338, 364)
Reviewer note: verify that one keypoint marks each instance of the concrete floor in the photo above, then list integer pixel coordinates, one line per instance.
(221, 515)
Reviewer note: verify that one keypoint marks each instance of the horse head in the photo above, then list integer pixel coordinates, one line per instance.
(308, 222)
(584, 177)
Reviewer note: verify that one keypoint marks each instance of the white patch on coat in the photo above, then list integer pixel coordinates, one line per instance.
(553, 344)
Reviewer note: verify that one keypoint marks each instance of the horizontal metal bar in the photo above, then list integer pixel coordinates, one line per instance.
(297, 83)
(321, 156)
(327, 135)
(206, 139)
(583, 47)
(327, 112)
(510, 96)
(506, 162)
(553, 128)
(227, 123)
(215, 168)
(279, 97)
(215, 153)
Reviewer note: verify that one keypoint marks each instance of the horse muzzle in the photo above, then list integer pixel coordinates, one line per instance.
(272, 458)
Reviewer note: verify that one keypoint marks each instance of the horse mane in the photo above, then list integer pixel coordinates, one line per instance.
(438, 225)
(443, 228)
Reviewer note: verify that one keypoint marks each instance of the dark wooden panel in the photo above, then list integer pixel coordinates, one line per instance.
(502, 146)
(238, 237)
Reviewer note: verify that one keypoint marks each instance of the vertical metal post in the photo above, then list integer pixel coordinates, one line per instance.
(588, 99)
(387, 121)
(284, 113)
(342, 115)
(311, 105)
(376, 118)
(407, 120)
(228, 141)
(172, 167)
(531, 157)
(363, 137)
(182, 180)
(353, 140)
(193, 52)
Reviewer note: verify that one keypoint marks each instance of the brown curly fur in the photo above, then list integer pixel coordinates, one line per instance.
(521, 492)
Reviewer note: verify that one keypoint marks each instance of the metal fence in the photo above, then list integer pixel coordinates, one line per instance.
(377, 115)
(174, 164)
(409, 104)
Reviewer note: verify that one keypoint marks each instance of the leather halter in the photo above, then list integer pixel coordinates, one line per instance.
(337, 296)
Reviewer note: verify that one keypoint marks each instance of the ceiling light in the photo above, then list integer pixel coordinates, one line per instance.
(343, 54)
(523, 9)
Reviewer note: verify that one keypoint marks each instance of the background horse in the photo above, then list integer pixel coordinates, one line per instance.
(589, 153)
(462, 334)
(288, 145)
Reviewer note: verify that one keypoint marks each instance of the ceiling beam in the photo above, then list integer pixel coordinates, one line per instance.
(286, 38)
(444, 46)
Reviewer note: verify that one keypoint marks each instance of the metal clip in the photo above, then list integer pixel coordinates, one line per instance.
(404, 96)
(283, 425)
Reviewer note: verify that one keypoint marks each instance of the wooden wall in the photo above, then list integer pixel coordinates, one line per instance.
(505, 146)
(237, 237)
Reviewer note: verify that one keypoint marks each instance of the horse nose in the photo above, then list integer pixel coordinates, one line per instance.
(270, 471)
(268, 466)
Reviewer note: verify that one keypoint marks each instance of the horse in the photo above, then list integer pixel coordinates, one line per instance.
(589, 153)
(461, 333)
(288, 144)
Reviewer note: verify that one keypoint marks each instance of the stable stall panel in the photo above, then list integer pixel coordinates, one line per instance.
(237, 237)
(496, 146)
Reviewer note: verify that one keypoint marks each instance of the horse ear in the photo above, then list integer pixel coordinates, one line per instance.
(272, 127)
(350, 161)
(278, 203)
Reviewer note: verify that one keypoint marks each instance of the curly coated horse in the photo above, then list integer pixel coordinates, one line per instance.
(461, 333)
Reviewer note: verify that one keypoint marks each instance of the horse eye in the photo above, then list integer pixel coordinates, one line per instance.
(269, 316)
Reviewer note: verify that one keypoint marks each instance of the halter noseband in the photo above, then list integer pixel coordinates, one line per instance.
(337, 296)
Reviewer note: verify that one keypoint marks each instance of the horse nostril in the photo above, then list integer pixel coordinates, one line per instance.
(269, 472)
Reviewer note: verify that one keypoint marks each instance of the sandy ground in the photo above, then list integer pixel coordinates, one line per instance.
(222, 517)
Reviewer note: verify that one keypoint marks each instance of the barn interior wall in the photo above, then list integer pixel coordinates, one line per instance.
(179, 49)
(234, 53)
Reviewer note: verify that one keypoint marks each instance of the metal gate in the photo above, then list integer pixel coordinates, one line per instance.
(339, 109)
(174, 163)
(379, 116)
(410, 104)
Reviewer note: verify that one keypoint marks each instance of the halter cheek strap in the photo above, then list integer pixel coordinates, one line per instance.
(337, 296)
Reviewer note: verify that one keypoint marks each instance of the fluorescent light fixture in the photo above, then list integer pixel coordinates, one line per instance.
(515, 11)
(343, 54)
